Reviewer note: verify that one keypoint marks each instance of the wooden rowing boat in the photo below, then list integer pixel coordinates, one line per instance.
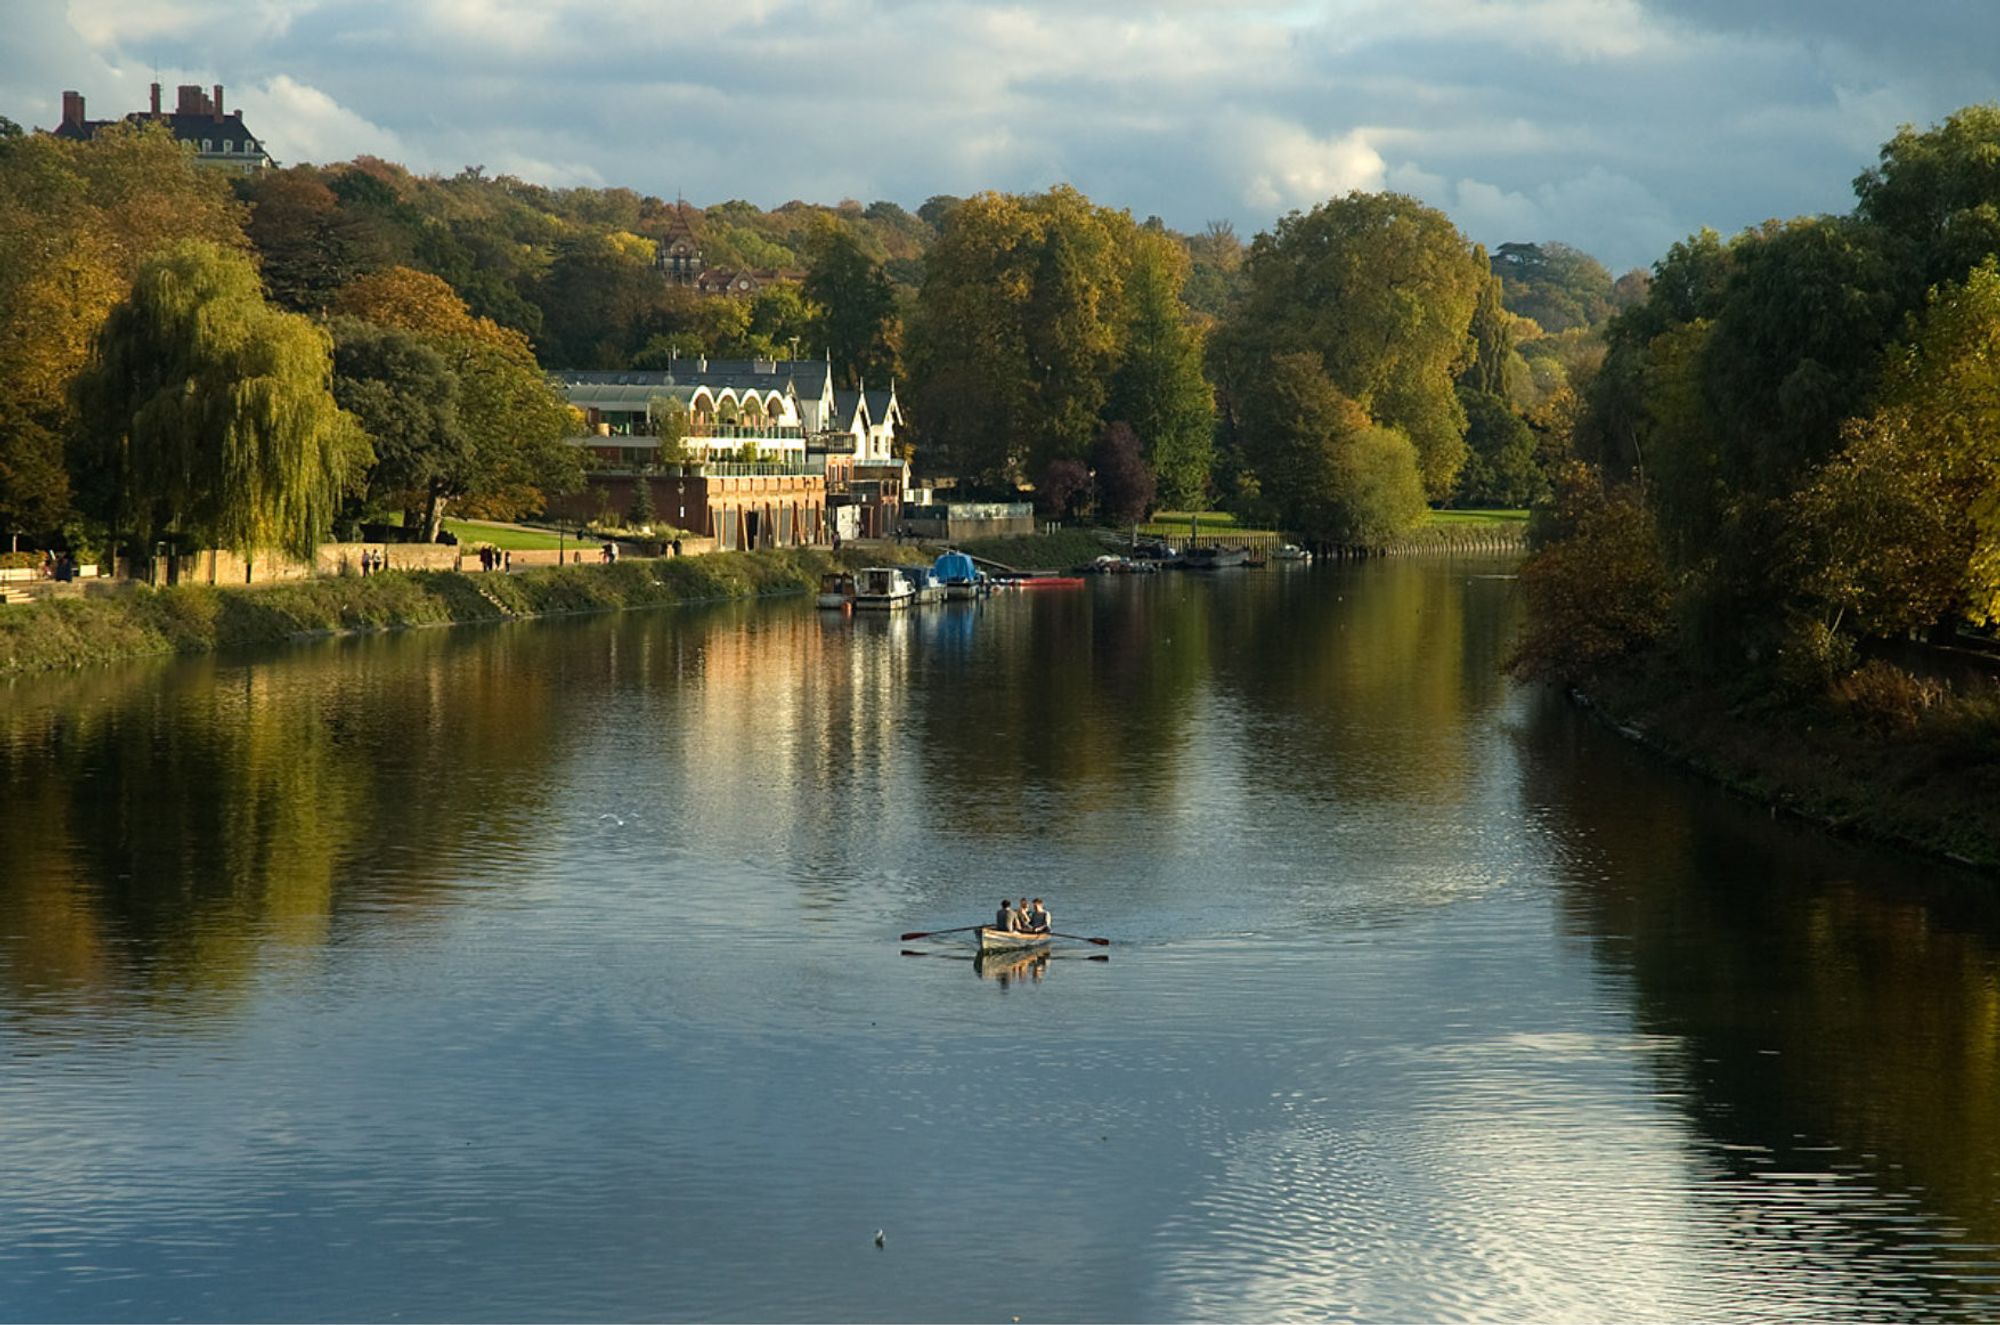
(1007, 940)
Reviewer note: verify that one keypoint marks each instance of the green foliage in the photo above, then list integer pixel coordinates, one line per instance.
(856, 309)
(1902, 528)
(210, 415)
(1557, 286)
(1382, 289)
(1501, 469)
(1939, 192)
(1018, 331)
(1332, 474)
(1159, 388)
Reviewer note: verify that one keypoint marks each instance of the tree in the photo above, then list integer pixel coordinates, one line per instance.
(1939, 192)
(1333, 474)
(1018, 330)
(1500, 469)
(1902, 527)
(310, 245)
(1596, 588)
(1382, 289)
(406, 397)
(857, 322)
(77, 219)
(1064, 485)
(515, 421)
(1558, 286)
(211, 412)
(1159, 387)
(642, 514)
(1124, 484)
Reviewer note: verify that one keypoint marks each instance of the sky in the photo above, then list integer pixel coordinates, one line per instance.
(1618, 126)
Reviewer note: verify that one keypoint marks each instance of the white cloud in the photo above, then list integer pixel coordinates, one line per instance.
(305, 124)
(1290, 167)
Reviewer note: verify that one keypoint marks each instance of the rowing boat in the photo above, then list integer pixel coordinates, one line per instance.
(1007, 940)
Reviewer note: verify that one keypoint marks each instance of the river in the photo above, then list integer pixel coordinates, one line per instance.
(551, 971)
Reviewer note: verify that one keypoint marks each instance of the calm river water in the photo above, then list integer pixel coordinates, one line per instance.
(551, 971)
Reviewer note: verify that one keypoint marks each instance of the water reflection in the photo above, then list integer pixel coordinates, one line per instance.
(1837, 1011)
(549, 971)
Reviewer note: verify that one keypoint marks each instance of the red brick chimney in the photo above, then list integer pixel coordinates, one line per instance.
(189, 99)
(73, 109)
(218, 101)
(156, 98)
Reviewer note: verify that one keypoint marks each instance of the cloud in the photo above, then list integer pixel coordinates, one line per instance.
(1616, 125)
(312, 126)
(1290, 167)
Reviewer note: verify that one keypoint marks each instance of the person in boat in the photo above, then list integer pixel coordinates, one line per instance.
(1038, 917)
(1004, 919)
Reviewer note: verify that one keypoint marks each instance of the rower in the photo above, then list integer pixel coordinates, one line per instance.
(1038, 918)
(1004, 919)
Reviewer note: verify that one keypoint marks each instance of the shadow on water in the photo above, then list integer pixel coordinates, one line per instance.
(1836, 1009)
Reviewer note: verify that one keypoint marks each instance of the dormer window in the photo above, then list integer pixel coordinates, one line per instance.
(207, 145)
(228, 146)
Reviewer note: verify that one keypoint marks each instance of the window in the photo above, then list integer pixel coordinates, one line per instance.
(207, 145)
(228, 146)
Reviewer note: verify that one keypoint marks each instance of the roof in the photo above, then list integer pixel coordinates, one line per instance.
(882, 406)
(845, 405)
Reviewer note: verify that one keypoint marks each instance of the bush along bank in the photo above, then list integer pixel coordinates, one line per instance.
(138, 621)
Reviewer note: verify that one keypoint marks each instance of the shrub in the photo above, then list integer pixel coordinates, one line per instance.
(1886, 698)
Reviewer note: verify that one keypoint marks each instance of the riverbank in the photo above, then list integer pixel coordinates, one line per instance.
(1059, 550)
(136, 621)
(1883, 757)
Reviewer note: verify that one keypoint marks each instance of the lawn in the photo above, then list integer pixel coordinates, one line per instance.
(506, 537)
(1181, 523)
(1501, 518)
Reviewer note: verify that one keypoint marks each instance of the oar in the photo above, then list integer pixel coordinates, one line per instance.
(927, 933)
(1081, 938)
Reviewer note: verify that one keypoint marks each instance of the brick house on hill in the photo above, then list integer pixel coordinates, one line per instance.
(219, 139)
(677, 257)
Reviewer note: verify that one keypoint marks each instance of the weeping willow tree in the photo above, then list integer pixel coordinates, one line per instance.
(208, 415)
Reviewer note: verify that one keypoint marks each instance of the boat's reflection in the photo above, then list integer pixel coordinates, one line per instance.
(1008, 967)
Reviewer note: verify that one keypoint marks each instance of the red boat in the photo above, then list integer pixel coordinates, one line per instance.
(1039, 582)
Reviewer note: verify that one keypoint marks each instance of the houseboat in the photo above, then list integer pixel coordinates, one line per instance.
(882, 589)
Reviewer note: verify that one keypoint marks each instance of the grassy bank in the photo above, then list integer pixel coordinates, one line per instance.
(1055, 551)
(137, 621)
(1883, 755)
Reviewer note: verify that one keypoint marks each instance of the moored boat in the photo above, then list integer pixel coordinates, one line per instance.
(882, 588)
(1291, 552)
(836, 590)
(1009, 940)
(1210, 557)
(961, 577)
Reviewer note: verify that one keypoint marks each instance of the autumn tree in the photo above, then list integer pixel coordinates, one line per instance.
(513, 421)
(77, 220)
(209, 413)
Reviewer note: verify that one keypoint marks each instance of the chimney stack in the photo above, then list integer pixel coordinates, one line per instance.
(73, 109)
(156, 98)
(218, 101)
(188, 99)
